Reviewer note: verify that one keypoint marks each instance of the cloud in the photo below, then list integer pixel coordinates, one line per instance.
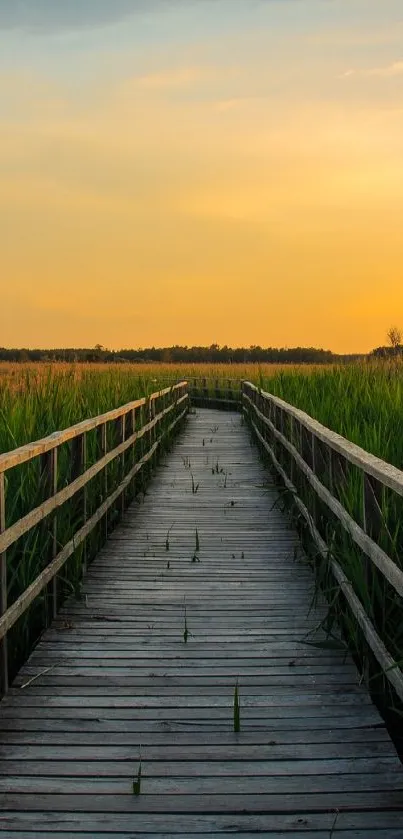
(45, 15)
(395, 69)
(171, 79)
(53, 15)
(388, 72)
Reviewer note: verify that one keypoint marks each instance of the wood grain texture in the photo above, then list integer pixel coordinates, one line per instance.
(113, 676)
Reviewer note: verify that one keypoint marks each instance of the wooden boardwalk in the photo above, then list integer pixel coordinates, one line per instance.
(114, 676)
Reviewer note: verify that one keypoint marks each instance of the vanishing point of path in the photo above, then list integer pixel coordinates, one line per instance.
(114, 677)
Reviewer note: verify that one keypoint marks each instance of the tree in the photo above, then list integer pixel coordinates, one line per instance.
(395, 337)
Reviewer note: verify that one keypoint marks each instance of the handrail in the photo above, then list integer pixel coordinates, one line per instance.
(385, 473)
(266, 414)
(17, 456)
(160, 413)
(220, 392)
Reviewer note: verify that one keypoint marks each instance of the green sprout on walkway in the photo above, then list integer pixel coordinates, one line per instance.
(137, 780)
(237, 709)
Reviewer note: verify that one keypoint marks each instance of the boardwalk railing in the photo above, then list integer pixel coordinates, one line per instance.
(221, 393)
(123, 442)
(319, 468)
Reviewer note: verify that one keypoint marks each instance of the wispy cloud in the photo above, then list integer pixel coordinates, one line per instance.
(48, 15)
(177, 78)
(387, 72)
(53, 15)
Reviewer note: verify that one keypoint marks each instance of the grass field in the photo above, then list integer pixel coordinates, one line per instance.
(363, 402)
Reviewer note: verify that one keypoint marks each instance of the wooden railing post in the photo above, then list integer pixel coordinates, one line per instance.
(133, 447)
(103, 448)
(372, 506)
(153, 431)
(3, 591)
(315, 472)
(49, 478)
(120, 426)
(79, 457)
(372, 522)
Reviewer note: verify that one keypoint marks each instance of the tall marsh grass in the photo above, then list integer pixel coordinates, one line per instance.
(362, 402)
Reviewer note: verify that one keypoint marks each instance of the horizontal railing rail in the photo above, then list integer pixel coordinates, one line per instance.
(298, 444)
(215, 392)
(151, 420)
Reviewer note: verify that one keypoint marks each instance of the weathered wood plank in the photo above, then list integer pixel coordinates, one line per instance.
(305, 834)
(157, 732)
(115, 788)
(208, 823)
(369, 801)
(198, 769)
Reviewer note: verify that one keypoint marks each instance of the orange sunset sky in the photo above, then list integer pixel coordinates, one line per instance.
(198, 171)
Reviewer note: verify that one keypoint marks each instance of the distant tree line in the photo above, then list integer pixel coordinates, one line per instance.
(178, 354)
(395, 346)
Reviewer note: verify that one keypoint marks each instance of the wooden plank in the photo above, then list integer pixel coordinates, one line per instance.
(117, 788)
(298, 823)
(372, 834)
(188, 824)
(305, 834)
(236, 751)
(367, 801)
(188, 769)
(155, 733)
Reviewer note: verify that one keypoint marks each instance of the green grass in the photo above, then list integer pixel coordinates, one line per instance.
(363, 402)
(137, 779)
(185, 626)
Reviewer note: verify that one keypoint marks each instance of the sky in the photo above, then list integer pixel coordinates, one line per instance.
(201, 171)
